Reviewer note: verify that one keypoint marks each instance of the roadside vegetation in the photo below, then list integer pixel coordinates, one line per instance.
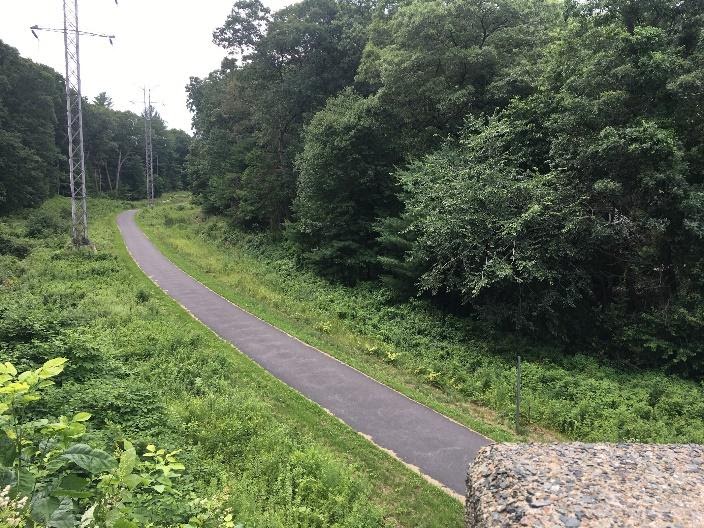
(425, 189)
(536, 165)
(454, 364)
(139, 376)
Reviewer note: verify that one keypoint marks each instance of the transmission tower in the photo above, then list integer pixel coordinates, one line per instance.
(74, 118)
(148, 151)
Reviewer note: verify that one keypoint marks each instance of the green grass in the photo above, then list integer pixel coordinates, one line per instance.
(148, 371)
(451, 364)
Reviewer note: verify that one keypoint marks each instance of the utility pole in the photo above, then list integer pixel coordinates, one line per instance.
(148, 151)
(74, 118)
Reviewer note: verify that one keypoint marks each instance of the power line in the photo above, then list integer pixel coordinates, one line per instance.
(74, 118)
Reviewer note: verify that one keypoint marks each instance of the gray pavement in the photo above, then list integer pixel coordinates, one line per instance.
(437, 446)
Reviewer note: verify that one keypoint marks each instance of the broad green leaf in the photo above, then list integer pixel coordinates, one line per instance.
(62, 493)
(23, 484)
(82, 417)
(8, 451)
(73, 482)
(56, 464)
(52, 368)
(14, 388)
(75, 430)
(8, 368)
(43, 508)
(63, 516)
(92, 460)
(29, 377)
(124, 523)
(132, 481)
(128, 460)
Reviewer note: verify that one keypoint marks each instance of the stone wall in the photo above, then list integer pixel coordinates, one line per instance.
(586, 485)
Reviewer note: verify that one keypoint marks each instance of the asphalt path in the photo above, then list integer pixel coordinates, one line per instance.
(431, 443)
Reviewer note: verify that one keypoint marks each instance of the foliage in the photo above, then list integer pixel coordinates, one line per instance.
(33, 140)
(536, 165)
(443, 360)
(575, 209)
(249, 116)
(65, 482)
(114, 146)
(30, 106)
(432, 63)
(145, 370)
(341, 191)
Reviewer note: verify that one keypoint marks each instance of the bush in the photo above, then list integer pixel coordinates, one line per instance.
(54, 479)
(137, 368)
(48, 221)
(13, 246)
(566, 387)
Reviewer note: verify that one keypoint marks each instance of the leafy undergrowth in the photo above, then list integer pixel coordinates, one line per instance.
(447, 362)
(145, 370)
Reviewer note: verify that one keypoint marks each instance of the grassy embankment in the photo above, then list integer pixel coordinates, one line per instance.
(451, 364)
(146, 370)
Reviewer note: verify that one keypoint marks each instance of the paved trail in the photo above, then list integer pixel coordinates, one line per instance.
(437, 446)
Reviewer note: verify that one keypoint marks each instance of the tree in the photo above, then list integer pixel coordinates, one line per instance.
(244, 28)
(102, 100)
(434, 62)
(249, 118)
(345, 186)
(426, 66)
(30, 100)
(578, 209)
(114, 147)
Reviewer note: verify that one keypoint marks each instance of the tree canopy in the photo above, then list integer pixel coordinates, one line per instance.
(540, 163)
(33, 163)
(536, 164)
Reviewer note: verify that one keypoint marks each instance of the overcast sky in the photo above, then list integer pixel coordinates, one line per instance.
(160, 43)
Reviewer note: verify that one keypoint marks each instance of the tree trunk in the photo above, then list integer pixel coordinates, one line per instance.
(107, 174)
(120, 163)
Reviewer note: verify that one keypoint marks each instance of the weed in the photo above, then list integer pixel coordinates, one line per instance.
(458, 361)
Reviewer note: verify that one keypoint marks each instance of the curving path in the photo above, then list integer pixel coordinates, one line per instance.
(437, 446)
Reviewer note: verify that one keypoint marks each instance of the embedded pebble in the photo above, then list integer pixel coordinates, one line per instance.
(581, 485)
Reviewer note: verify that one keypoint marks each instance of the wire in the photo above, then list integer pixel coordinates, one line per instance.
(35, 28)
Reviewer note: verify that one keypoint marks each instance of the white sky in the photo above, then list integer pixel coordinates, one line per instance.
(160, 43)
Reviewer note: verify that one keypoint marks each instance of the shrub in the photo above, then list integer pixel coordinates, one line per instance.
(54, 479)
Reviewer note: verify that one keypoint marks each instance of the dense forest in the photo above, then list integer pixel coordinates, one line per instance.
(533, 164)
(33, 163)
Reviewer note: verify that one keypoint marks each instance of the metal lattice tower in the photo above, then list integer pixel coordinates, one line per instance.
(148, 151)
(74, 119)
(74, 116)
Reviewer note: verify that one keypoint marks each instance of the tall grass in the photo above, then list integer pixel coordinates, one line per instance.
(449, 362)
(148, 371)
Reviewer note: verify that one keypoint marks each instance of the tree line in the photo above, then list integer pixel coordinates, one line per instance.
(536, 164)
(33, 163)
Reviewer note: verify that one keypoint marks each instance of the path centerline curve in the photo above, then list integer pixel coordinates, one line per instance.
(437, 446)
